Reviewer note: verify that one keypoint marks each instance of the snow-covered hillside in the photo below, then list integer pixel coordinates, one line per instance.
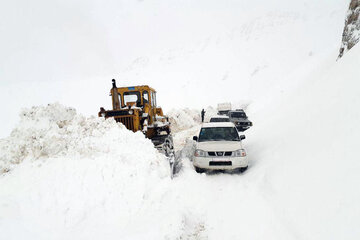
(64, 175)
(194, 53)
(86, 178)
(306, 152)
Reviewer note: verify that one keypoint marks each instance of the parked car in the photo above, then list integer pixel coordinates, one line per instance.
(219, 118)
(219, 147)
(239, 118)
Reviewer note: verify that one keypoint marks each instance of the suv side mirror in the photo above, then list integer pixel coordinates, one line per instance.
(195, 138)
(242, 137)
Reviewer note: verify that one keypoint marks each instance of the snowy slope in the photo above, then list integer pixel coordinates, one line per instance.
(66, 176)
(195, 54)
(306, 152)
(302, 182)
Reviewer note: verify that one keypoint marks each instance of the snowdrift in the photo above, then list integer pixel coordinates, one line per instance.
(305, 151)
(73, 177)
(57, 131)
(183, 119)
(70, 177)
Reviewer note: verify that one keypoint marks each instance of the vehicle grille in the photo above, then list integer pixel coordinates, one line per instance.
(116, 113)
(127, 121)
(220, 163)
(220, 154)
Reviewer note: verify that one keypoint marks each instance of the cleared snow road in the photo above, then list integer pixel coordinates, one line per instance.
(228, 206)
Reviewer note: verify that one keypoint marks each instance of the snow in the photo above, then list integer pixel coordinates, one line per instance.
(308, 147)
(103, 181)
(182, 119)
(56, 131)
(211, 51)
(64, 175)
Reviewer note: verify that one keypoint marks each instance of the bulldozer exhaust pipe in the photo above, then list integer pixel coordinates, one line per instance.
(115, 96)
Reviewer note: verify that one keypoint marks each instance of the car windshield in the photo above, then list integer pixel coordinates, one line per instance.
(218, 134)
(219, 120)
(238, 115)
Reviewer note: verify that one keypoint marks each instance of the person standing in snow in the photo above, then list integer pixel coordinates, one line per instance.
(202, 115)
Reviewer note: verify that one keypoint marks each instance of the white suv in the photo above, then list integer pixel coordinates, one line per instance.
(219, 147)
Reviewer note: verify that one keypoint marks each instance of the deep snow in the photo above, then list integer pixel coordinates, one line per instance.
(302, 182)
(67, 176)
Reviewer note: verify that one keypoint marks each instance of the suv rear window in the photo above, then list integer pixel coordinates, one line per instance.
(219, 120)
(238, 115)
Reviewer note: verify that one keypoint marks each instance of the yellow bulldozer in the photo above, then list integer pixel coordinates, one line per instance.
(136, 108)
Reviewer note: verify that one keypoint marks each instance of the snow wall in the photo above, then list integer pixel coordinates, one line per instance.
(63, 174)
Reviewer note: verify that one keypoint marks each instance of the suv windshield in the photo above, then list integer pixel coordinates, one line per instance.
(218, 134)
(219, 120)
(238, 115)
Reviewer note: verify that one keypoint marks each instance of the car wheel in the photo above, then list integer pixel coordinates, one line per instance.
(199, 170)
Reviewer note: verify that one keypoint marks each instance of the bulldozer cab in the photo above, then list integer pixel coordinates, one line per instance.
(138, 96)
(136, 108)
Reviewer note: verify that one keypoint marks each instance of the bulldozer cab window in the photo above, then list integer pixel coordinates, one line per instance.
(145, 97)
(153, 99)
(120, 102)
(132, 97)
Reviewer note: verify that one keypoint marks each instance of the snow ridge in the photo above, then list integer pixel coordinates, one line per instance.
(55, 131)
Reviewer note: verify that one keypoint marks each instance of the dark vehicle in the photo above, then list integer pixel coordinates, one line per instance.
(239, 118)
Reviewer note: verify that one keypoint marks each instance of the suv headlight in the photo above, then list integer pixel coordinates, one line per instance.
(199, 153)
(240, 153)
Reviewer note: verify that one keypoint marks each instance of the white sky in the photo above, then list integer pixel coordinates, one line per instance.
(195, 53)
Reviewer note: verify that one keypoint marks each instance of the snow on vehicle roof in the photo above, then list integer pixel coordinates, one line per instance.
(217, 124)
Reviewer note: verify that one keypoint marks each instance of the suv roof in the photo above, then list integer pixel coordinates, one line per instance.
(217, 124)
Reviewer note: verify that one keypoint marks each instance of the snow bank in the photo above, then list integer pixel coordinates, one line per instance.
(182, 119)
(56, 131)
(305, 152)
(71, 177)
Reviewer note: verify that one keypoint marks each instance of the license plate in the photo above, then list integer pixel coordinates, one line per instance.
(221, 160)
